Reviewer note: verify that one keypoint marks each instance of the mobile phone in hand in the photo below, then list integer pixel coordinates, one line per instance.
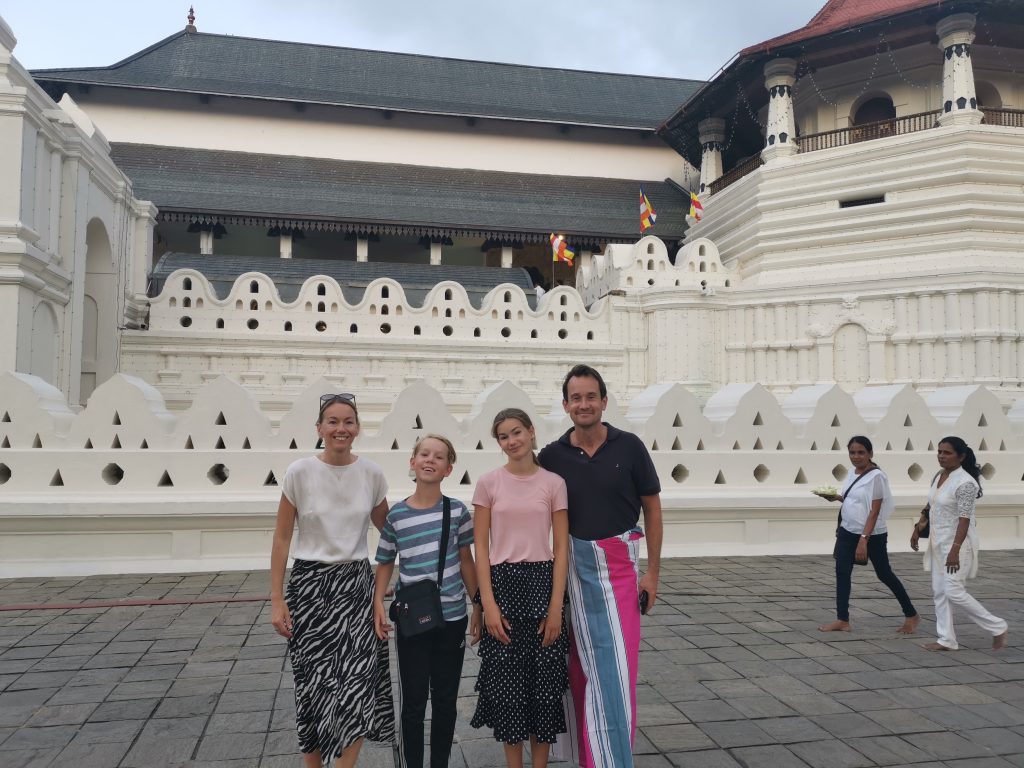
(644, 600)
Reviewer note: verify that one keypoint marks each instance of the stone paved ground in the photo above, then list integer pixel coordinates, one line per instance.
(733, 673)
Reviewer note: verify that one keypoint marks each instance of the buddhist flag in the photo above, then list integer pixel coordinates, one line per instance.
(696, 209)
(647, 214)
(559, 250)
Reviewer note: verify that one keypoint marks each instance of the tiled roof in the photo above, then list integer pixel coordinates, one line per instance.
(289, 274)
(298, 72)
(217, 182)
(838, 15)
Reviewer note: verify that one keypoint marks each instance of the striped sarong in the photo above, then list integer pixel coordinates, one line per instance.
(342, 678)
(605, 651)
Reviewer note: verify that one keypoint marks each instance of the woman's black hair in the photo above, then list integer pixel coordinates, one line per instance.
(968, 461)
(865, 443)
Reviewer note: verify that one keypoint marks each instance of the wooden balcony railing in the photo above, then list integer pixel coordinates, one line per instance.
(896, 126)
(749, 165)
(1011, 118)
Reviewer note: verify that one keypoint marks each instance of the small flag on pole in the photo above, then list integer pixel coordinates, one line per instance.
(559, 250)
(647, 214)
(696, 209)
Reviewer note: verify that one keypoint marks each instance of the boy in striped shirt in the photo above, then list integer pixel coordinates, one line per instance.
(429, 663)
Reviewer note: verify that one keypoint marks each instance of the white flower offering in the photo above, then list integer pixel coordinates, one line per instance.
(825, 490)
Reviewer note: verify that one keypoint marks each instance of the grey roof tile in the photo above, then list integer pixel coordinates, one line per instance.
(218, 182)
(301, 72)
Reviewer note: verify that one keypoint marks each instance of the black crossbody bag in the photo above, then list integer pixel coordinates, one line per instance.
(417, 607)
(924, 525)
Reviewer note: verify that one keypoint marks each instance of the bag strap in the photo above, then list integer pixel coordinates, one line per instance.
(446, 526)
(928, 505)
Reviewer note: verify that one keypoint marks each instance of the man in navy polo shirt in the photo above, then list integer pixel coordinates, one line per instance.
(611, 479)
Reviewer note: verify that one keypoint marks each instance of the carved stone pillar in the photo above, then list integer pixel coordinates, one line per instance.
(779, 78)
(506, 257)
(362, 249)
(959, 100)
(712, 136)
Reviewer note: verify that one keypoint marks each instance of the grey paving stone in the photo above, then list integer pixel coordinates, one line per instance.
(84, 754)
(61, 714)
(831, 753)
(146, 689)
(30, 758)
(707, 711)
(239, 722)
(132, 709)
(946, 746)
(677, 738)
(168, 753)
(787, 730)
(711, 758)
(1002, 741)
(849, 725)
(738, 733)
(40, 738)
(888, 750)
(186, 706)
(773, 756)
(247, 701)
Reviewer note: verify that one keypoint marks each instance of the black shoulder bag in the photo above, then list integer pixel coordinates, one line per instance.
(924, 525)
(417, 607)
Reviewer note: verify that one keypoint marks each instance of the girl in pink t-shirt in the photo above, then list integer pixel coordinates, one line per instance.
(522, 558)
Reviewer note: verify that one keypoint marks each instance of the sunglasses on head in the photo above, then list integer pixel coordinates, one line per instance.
(341, 397)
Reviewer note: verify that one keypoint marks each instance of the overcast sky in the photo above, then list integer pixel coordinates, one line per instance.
(672, 38)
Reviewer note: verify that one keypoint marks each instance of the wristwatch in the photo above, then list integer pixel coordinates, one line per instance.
(476, 598)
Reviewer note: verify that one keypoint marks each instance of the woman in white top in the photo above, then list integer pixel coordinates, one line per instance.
(342, 680)
(952, 552)
(862, 535)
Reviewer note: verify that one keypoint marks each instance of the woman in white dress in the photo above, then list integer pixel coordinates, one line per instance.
(952, 552)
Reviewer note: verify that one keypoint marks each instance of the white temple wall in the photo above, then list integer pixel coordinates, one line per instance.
(340, 133)
(58, 181)
(124, 485)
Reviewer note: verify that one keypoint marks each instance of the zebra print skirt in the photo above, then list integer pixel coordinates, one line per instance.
(342, 679)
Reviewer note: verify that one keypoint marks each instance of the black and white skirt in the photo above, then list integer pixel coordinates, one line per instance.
(342, 679)
(520, 685)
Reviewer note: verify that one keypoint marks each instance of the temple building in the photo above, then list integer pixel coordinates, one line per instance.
(197, 240)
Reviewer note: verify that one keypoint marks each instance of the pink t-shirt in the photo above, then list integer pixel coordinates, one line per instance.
(521, 509)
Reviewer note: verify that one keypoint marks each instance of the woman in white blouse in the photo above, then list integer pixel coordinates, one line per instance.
(952, 553)
(862, 535)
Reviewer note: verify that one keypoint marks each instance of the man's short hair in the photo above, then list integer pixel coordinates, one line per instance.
(582, 372)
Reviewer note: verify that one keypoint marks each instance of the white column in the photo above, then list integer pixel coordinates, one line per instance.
(779, 78)
(435, 253)
(953, 337)
(285, 245)
(206, 241)
(362, 249)
(506, 257)
(712, 136)
(959, 100)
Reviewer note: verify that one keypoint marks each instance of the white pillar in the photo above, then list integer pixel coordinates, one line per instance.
(435, 253)
(959, 100)
(285, 245)
(362, 249)
(779, 78)
(712, 136)
(206, 241)
(506, 257)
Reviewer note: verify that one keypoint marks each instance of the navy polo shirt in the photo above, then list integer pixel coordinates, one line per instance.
(604, 489)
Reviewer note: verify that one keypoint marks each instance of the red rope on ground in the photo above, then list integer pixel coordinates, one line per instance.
(128, 603)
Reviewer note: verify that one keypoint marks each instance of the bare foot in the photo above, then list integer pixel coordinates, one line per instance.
(935, 647)
(999, 641)
(909, 625)
(835, 626)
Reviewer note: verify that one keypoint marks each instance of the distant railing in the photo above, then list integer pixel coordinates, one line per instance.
(1010, 118)
(752, 163)
(895, 126)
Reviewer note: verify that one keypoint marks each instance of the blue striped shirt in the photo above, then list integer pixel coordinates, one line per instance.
(414, 537)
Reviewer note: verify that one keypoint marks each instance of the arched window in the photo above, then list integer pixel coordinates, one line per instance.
(988, 95)
(874, 119)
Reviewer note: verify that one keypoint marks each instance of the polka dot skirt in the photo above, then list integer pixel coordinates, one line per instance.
(521, 684)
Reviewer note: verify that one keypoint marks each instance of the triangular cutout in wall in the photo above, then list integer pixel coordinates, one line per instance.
(165, 480)
(88, 444)
(116, 443)
(56, 480)
(835, 421)
(654, 445)
(700, 445)
(983, 422)
(220, 421)
(292, 446)
(145, 445)
(271, 480)
(188, 444)
(246, 445)
(676, 445)
(907, 422)
(465, 480)
(758, 421)
(7, 418)
(757, 445)
(117, 419)
(37, 443)
(801, 478)
(418, 424)
(677, 422)
(720, 478)
(6, 443)
(219, 445)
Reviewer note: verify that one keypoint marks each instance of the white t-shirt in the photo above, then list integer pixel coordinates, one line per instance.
(857, 503)
(334, 505)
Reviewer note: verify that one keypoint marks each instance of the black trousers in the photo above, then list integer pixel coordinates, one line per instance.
(878, 555)
(430, 664)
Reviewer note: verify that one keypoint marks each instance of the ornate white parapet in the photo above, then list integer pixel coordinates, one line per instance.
(712, 136)
(959, 100)
(780, 131)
